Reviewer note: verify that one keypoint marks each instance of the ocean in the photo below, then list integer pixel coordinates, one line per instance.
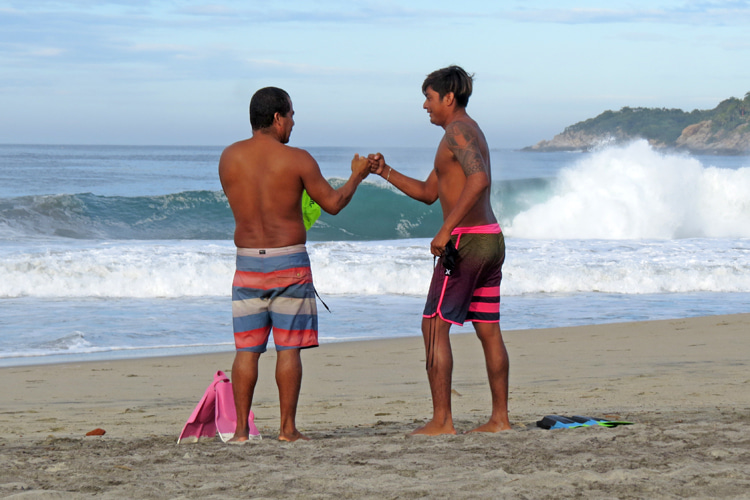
(113, 252)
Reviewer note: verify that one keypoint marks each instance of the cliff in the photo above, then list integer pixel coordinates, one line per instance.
(724, 130)
(700, 138)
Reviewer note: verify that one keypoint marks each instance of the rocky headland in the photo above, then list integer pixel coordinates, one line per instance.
(724, 130)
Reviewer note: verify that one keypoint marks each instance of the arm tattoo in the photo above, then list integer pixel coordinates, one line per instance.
(462, 141)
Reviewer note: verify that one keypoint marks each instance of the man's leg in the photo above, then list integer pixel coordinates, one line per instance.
(244, 378)
(289, 381)
(435, 332)
(496, 359)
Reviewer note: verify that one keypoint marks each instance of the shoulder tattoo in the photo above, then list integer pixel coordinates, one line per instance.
(462, 141)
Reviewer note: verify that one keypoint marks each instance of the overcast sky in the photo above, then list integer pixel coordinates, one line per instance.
(182, 72)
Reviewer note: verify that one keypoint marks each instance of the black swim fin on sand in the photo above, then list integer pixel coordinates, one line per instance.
(561, 422)
(558, 422)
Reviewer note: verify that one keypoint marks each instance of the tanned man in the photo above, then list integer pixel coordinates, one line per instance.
(465, 284)
(263, 180)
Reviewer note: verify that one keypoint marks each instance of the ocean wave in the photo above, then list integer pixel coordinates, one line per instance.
(377, 212)
(187, 215)
(628, 192)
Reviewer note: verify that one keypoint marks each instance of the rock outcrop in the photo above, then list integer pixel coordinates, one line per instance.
(578, 141)
(701, 138)
(724, 130)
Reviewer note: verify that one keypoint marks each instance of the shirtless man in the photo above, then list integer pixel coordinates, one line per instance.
(470, 291)
(263, 180)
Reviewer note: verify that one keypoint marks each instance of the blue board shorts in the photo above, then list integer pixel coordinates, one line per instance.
(273, 288)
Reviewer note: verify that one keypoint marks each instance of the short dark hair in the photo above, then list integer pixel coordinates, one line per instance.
(451, 79)
(265, 103)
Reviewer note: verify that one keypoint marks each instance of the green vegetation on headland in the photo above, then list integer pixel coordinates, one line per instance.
(722, 130)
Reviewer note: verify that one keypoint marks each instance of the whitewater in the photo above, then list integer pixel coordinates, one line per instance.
(110, 252)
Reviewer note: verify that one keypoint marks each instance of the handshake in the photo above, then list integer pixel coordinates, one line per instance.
(366, 165)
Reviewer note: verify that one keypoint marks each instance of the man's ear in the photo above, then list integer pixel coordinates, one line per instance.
(449, 98)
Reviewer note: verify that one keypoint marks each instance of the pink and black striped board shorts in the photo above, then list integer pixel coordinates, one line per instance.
(471, 292)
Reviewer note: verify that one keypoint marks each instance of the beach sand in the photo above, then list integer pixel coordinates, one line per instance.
(684, 383)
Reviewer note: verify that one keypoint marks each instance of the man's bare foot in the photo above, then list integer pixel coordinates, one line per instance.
(492, 427)
(433, 429)
(295, 436)
(238, 439)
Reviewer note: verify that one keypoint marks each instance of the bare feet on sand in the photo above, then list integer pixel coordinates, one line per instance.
(238, 439)
(492, 427)
(433, 429)
(294, 436)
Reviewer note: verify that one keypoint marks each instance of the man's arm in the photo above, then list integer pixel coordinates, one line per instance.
(462, 141)
(333, 200)
(425, 191)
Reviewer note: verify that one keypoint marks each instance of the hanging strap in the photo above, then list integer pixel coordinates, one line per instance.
(321, 300)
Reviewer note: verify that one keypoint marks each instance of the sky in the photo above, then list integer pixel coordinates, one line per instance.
(183, 72)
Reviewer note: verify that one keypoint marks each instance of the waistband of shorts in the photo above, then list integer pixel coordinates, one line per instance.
(486, 229)
(271, 252)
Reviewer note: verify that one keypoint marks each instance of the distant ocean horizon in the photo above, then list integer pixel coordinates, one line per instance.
(126, 251)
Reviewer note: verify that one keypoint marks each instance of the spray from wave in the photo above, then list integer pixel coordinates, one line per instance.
(634, 192)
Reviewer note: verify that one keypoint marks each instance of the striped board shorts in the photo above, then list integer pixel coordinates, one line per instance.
(273, 288)
(472, 290)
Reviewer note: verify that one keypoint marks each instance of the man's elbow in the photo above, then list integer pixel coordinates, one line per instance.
(331, 209)
(429, 199)
(478, 182)
(335, 205)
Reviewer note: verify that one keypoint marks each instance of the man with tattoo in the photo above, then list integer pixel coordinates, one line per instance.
(466, 281)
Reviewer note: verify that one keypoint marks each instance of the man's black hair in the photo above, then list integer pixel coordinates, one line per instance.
(451, 79)
(265, 103)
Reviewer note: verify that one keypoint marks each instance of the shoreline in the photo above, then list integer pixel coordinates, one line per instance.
(684, 382)
(691, 305)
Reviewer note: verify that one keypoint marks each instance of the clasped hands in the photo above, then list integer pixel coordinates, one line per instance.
(370, 164)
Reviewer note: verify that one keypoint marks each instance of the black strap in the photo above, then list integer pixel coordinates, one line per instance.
(321, 300)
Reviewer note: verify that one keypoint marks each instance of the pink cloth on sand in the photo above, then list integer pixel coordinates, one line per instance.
(214, 413)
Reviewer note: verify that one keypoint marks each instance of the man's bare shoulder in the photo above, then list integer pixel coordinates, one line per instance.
(236, 149)
(467, 143)
(255, 148)
(461, 131)
(300, 154)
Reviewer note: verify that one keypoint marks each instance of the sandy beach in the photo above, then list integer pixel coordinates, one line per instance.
(684, 383)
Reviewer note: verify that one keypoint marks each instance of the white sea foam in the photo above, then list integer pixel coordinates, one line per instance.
(119, 269)
(173, 269)
(635, 192)
(627, 266)
(401, 267)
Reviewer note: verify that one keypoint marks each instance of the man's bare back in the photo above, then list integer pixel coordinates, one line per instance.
(263, 183)
(263, 179)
